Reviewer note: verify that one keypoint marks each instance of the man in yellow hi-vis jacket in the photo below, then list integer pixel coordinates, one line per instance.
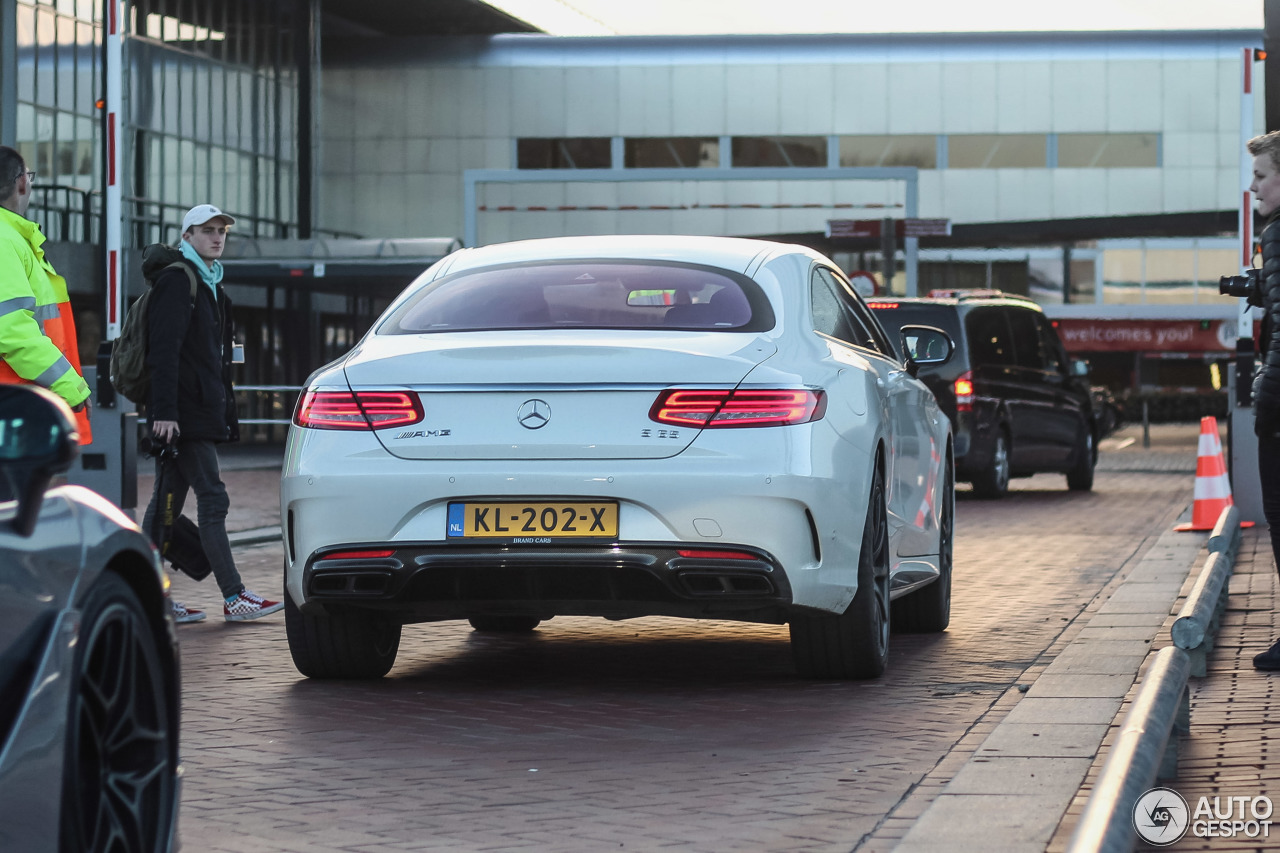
(37, 332)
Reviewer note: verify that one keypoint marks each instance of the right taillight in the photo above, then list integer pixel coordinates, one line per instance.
(359, 410)
(742, 407)
(964, 391)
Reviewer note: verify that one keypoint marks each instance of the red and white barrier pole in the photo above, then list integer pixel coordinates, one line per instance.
(113, 209)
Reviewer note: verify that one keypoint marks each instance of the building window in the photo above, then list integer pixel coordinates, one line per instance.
(678, 152)
(1108, 150)
(997, 151)
(779, 151)
(576, 153)
(868, 151)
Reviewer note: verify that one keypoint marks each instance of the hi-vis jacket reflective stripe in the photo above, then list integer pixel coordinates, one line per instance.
(37, 332)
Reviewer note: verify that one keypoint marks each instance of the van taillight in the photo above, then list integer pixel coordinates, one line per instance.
(964, 391)
(361, 410)
(742, 407)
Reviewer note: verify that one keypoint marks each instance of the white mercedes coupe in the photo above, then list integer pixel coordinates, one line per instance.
(699, 427)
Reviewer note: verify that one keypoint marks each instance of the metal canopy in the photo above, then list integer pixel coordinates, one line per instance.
(334, 263)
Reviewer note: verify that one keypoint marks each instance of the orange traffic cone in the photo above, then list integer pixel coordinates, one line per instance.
(1213, 488)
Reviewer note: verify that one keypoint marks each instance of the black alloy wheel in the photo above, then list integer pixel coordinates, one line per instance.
(994, 481)
(119, 785)
(347, 644)
(853, 644)
(1080, 477)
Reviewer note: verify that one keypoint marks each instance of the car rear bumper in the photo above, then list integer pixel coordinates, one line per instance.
(426, 581)
(798, 517)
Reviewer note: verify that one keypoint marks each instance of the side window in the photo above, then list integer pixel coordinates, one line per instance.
(877, 339)
(851, 327)
(989, 339)
(1055, 357)
(1026, 339)
(829, 315)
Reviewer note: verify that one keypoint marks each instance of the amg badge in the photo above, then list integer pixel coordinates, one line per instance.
(423, 433)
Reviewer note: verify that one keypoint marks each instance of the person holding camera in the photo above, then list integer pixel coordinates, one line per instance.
(192, 405)
(1265, 294)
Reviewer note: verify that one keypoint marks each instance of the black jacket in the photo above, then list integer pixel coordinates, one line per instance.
(188, 350)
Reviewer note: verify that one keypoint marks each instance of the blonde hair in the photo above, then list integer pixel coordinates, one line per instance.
(1269, 144)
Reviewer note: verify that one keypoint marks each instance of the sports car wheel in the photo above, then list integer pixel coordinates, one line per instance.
(118, 786)
(853, 644)
(928, 610)
(1080, 477)
(340, 645)
(994, 482)
(504, 624)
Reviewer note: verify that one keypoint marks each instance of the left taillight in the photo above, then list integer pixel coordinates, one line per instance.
(359, 410)
(742, 407)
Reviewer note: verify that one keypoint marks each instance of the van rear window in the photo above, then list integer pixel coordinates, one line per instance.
(893, 315)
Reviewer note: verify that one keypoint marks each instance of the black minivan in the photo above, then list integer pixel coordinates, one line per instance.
(1018, 405)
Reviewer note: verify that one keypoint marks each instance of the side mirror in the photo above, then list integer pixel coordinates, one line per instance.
(38, 439)
(925, 345)
(1078, 367)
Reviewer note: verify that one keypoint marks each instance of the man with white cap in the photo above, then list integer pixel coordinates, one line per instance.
(192, 405)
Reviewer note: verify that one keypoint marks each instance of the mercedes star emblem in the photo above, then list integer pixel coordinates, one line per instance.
(534, 414)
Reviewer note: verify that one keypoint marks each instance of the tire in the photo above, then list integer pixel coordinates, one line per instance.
(341, 645)
(1080, 477)
(119, 784)
(853, 644)
(928, 610)
(993, 482)
(504, 624)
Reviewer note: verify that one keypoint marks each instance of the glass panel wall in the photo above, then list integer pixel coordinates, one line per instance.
(920, 151)
(210, 91)
(997, 151)
(1166, 271)
(1108, 150)
(59, 48)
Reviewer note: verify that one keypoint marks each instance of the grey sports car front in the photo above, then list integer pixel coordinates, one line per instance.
(88, 655)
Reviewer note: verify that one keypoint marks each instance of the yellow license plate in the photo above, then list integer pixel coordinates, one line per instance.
(533, 520)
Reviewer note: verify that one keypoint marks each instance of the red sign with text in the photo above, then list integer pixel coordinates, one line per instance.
(1095, 335)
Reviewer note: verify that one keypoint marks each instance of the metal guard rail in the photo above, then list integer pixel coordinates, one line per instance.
(1147, 746)
(1140, 754)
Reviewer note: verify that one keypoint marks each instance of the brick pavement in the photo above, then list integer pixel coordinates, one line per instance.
(651, 733)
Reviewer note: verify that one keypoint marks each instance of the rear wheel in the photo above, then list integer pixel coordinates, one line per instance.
(928, 610)
(340, 645)
(853, 644)
(1080, 477)
(118, 785)
(504, 624)
(994, 481)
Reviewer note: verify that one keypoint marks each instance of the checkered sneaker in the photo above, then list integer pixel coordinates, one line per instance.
(249, 605)
(182, 613)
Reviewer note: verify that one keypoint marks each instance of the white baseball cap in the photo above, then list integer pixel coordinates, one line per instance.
(202, 213)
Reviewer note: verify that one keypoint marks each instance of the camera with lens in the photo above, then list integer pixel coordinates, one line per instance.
(1247, 286)
(161, 450)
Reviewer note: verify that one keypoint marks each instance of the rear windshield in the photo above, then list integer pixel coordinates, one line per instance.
(587, 294)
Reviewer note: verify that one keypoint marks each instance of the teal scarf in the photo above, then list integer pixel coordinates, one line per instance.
(211, 275)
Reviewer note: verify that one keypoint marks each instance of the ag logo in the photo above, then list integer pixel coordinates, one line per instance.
(1161, 816)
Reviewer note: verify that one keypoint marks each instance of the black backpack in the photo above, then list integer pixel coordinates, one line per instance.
(129, 373)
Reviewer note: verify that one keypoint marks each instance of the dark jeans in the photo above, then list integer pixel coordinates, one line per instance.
(1269, 472)
(197, 469)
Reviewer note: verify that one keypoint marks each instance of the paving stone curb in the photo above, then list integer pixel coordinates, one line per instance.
(1013, 789)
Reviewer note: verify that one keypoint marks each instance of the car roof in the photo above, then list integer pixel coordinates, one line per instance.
(732, 253)
(970, 301)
